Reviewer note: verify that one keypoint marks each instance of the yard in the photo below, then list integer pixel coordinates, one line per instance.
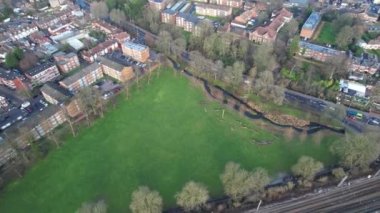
(326, 34)
(166, 134)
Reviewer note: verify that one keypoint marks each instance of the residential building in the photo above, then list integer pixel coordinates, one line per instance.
(11, 79)
(66, 62)
(115, 70)
(105, 27)
(230, 3)
(83, 78)
(169, 15)
(121, 37)
(317, 52)
(99, 50)
(352, 88)
(42, 73)
(203, 1)
(56, 95)
(46, 21)
(311, 25)
(3, 102)
(186, 21)
(138, 52)
(242, 20)
(22, 31)
(373, 44)
(158, 5)
(212, 10)
(367, 63)
(40, 124)
(39, 38)
(268, 33)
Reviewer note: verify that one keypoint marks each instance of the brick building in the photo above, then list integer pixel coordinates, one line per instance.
(42, 73)
(138, 52)
(311, 25)
(169, 15)
(83, 78)
(66, 62)
(99, 50)
(56, 95)
(115, 70)
(213, 10)
(3, 102)
(230, 3)
(158, 5)
(317, 52)
(366, 63)
(268, 33)
(105, 27)
(187, 22)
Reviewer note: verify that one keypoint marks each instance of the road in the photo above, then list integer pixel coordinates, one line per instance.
(360, 196)
(17, 101)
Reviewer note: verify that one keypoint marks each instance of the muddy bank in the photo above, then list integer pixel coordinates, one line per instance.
(253, 112)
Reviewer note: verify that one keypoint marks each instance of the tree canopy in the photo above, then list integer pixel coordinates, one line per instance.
(307, 167)
(146, 201)
(192, 196)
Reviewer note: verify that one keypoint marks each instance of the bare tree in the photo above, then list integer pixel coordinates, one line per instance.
(145, 200)
(193, 196)
(307, 167)
(99, 9)
(97, 207)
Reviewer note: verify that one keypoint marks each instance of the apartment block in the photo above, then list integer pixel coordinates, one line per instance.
(56, 95)
(42, 73)
(158, 5)
(99, 50)
(311, 25)
(115, 70)
(83, 78)
(213, 10)
(169, 15)
(317, 52)
(138, 52)
(66, 62)
(105, 27)
(187, 22)
(366, 63)
(268, 33)
(230, 3)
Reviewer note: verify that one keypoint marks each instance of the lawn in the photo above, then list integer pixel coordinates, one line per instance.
(166, 134)
(326, 34)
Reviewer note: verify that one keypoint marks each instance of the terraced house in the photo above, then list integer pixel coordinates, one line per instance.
(83, 78)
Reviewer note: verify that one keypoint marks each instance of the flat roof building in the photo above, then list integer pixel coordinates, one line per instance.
(138, 52)
(83, 78)
(311, 25)
(42, 73)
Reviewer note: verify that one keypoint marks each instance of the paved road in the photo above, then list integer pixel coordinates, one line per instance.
(11, 95)
(360, 196)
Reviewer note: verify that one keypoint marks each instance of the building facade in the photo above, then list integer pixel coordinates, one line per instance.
(42, 73)
(66, 62)
(317, 52)
(230, 3)
(11, 80)
(83, 78)
(99, 50)
(138, 52)
(213, 10)
(115, 70)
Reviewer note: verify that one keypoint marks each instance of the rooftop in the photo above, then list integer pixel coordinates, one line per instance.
(135, 46)
(189, 17)
(111, 63)
(318, 48)
(98, 48)
(55, 91)
(313, 21)
(40, 68)
(85, 71)
(7, 74)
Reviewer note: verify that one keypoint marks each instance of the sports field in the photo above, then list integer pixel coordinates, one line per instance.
(166, 134)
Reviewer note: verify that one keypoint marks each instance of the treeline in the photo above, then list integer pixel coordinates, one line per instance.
(244, 187)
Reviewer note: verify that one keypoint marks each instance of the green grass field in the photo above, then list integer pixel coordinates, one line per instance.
(327, 34)
(166, 134)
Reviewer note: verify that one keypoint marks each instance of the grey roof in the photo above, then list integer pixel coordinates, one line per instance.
(85, 71)
(189, 18)
(134, 46)
(56, 92)
(318, 48)
(7, 74)
(39, 68)
(299, 2)
(313, 21)
(111, 63)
